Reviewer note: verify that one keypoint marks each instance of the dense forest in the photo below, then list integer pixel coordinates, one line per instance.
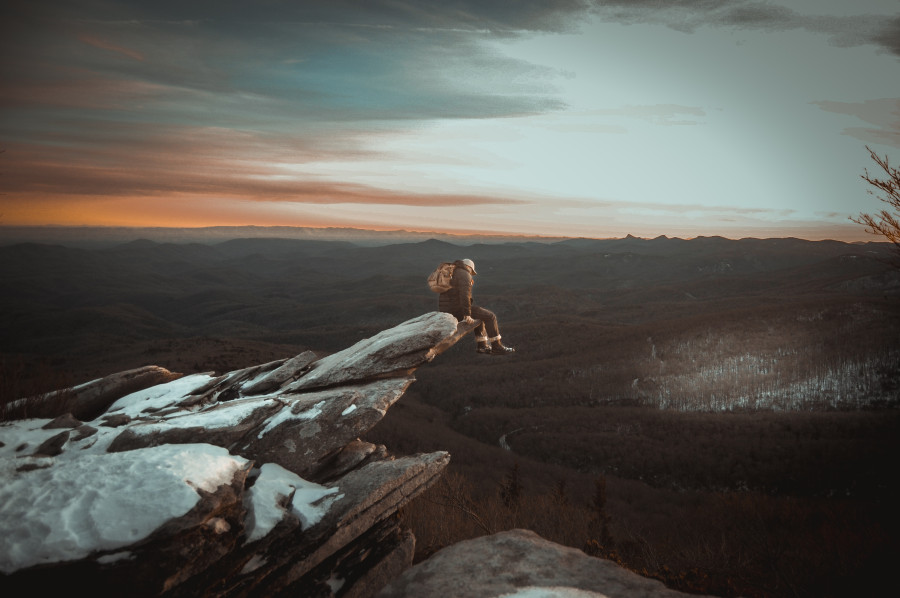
(719, 414)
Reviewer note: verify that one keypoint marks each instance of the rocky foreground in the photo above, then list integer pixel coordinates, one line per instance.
(252, 483)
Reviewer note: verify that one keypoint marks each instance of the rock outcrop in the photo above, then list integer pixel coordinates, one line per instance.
(89, 400)
(520, 563)
(253, 483)
(250, 483)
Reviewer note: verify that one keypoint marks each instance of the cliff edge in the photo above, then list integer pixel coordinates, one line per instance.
(251, 483)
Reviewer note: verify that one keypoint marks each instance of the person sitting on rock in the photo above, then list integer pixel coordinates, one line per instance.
(458, 302)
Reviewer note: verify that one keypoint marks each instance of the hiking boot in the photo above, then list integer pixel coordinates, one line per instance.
(483, 347)
(497, 348)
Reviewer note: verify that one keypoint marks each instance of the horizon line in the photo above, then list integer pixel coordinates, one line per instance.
(387, 231)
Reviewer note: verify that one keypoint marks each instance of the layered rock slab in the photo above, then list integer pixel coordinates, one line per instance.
(89, 400)
(303, 493)
(398, 350)
(298, 431)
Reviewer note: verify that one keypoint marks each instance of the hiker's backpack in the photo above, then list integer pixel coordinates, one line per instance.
(439, 280)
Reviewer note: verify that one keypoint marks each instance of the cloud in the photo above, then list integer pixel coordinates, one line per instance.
(883, 113)
(499, 16)
(889, 36)
(105, 45)
(341, 61)
(689, 15)
(79, 89)
(496, 17)
(199, 163)
(703, 212)
(659, 114)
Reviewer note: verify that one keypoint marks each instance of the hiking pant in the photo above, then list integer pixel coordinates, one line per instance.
(489, 330)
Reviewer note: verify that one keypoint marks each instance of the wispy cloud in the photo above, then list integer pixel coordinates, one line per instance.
(658, 114)
(96, 42)
(883, 113)
(889, 36)
(317, 70)
(201, 163)
(77, 88)
(689, 15)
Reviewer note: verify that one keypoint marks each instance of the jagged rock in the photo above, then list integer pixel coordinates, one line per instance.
(387, 552)
(66, 420)
(398, 350)
(250, 483)
(116, 420)
(83, 431)
(297, 431)
(352, 455)
(53, 445)
(362, 501)
(515, 563)
(371, 493)
(89, 400)
(289, 370)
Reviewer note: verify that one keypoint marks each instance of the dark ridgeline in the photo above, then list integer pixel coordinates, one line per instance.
(702, 324)
(709, 494)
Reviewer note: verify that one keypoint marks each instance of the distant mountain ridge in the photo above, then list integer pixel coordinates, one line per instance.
(100, 236)
(104, 309)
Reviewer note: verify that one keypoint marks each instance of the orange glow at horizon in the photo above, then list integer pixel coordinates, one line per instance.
(194, 212)
(189, 212)
(138, 212)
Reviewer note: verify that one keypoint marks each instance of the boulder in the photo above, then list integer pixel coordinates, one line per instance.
(53, 445)
(520, 563)
(66, 420)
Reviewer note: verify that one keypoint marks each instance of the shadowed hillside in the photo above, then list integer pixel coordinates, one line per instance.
(706, 323)
(774, 362)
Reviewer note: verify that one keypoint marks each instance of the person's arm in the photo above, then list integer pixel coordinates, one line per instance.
(462, 281)
(467, 294)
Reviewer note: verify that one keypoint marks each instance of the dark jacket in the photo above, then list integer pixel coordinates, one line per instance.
(458, 300)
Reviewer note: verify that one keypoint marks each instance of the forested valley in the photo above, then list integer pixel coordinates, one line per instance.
(719, 414)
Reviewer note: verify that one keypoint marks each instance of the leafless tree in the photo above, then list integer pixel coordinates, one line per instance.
(887, 221)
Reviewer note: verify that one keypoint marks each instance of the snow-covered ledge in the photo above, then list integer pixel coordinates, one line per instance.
(248, 483)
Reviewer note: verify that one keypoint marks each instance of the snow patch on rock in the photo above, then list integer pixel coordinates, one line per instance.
(269, 498)
(159, 396)
(104, 501)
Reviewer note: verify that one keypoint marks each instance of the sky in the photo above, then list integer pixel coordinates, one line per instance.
(595, 118)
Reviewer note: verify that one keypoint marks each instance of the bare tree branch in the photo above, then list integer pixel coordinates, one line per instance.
(887, 221)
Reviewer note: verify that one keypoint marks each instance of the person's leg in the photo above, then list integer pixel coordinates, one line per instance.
(492, 328)
(482, 345)
(488, 319)
(481, 340)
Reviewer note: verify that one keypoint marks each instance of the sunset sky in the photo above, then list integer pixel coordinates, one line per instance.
(569, 117)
